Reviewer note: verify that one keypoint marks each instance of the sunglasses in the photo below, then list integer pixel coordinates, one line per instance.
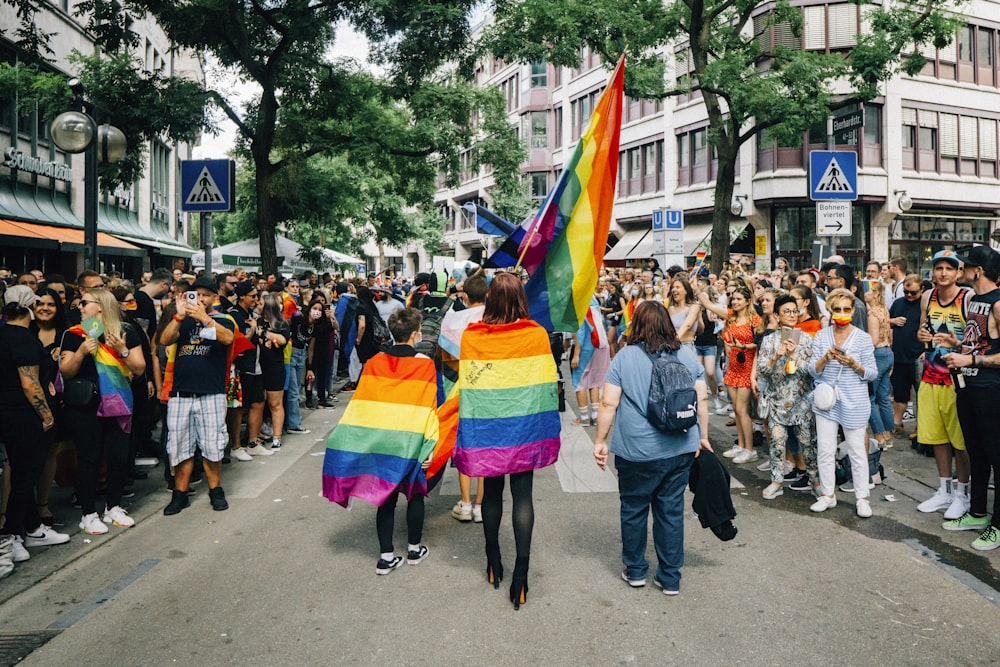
(84, 302)
(911, 292)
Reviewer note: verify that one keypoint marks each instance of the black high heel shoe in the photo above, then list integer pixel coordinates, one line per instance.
(494, 568)
(519, 583)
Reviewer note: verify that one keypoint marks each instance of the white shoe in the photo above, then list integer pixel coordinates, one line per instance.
(259, 450)
(6, 566)
(959, 506)
(864, 508)
(477, 513)
(746, 456)
(766, 465)
(722, 411)
(92, 524)
(941, 500)
(44, 537)
(241, 454)
(732, 451)
(823, 503)
(18, 553)
(119, 517)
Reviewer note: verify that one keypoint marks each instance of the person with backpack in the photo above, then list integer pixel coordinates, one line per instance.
(654, 446)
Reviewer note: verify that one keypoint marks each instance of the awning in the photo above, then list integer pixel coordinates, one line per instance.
(172, 249)
(66, 238)
(629, 240)
(699, 237)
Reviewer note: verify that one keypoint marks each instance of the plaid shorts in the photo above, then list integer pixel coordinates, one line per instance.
(196, 423)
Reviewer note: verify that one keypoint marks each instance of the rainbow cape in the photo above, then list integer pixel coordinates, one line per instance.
(113, 382)
(508, 409)
(388, 429)
(564, 248)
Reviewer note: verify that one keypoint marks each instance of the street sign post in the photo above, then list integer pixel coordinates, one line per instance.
(208, 186)
(833, 218)
(833, 175)
(845, 126)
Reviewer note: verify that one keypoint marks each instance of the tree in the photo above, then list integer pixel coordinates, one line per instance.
(747, 86)
(309, 105)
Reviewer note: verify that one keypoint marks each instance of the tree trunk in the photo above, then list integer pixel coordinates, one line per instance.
(265, 222)
(721, 213)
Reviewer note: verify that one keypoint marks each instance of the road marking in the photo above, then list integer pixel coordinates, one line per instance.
(104, 595)
(978, 586)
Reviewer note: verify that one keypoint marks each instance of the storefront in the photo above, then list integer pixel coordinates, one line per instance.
(917, 236)
(793, 230)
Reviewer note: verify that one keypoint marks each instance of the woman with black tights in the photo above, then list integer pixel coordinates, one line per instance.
(509, 423)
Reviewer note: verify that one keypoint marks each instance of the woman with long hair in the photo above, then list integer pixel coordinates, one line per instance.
(684, 310)
(103, 354)
(881, 421)
(508, 418)
(809, 315)
(589, 362)
(842, 358)
(706, 346)
(273, 336)
(49, 324)
(742, 326)
(629, 302)
(318, 357)
(653, 466)
(613, 307)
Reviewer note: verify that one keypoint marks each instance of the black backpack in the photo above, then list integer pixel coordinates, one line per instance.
(673, 401)
(433, 307)
(381, 336)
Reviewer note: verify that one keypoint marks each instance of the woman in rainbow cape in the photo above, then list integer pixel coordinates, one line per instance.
(384, 443)
(508, 418)
(102, 352)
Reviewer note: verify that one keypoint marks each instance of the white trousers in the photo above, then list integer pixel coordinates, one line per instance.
(826, 456)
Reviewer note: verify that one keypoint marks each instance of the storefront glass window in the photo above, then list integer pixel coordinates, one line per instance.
(918, 237)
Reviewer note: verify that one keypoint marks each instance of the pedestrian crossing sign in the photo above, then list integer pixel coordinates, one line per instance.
(833, 175)
(207, 185)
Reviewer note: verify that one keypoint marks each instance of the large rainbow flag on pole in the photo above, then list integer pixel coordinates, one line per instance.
(564, 247)
(388, 430)
(508, 408)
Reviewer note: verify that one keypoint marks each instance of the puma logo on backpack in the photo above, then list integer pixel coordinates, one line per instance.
(673, 400)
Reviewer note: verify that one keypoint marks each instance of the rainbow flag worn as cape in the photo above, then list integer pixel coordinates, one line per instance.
(113, 382)
(565, 247)
(508, 406)
(389, 428)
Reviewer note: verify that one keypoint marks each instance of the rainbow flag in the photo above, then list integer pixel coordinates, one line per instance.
(389, 428)
(565, 247)
(508, 408)
(113, 382)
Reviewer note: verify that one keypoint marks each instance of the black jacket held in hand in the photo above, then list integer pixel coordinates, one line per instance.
(709, 481)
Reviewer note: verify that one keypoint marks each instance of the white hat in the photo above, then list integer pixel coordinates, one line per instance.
(23, 296)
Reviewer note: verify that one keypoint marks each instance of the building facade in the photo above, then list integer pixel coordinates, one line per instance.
(42, 188)
(928, 177)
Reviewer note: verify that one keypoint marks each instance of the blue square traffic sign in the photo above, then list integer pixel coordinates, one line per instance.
(833, 175)
(208, 185)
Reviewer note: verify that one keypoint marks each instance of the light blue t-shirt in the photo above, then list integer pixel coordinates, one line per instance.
(633, 437)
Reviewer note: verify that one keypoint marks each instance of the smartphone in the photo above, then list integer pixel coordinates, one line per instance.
(191, 296)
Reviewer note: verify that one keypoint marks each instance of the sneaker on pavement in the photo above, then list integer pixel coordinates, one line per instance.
(18, 554)
(801, 483)
(967, 522)
(941, 500)
(178, 501)
(666, 591)
(477, 513)
(746, 456)
(462, 512)
(766, 465)
(848, 486)
(218, 499)
(634, 583)
(241, 455)
(414, 556)
(119, 517)
(298, 431)
(92, 524)
(988, 540)
(387, 566)
(275, 444)
(794, 474)
(6, 566)
(864, 508)
(823, 503)
(44, 537)
(732, 451)
(959, 506)
(722, 410)
(259, 450)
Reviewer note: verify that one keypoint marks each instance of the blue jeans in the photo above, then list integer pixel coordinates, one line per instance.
(293, 382)
(658, 485)
(882, 418)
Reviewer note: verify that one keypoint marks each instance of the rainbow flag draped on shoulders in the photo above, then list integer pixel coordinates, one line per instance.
(508, 404)
(113, 382)
(567, 238)
(388, 430)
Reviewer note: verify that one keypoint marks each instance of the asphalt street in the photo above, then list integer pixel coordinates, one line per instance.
(286, 578)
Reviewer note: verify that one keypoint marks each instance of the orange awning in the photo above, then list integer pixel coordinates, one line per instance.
(49, 235)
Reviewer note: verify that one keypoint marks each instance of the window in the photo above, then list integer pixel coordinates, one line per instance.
(535, 128)
(539, 74)
(557, 123)
(640, 169)
(918, 237)
(700, 138)
(511, 91)
(949, 143)
(969, 58)
(581, 108)
(539, 183)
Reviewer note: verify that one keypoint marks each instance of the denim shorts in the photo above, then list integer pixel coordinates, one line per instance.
(705, 350)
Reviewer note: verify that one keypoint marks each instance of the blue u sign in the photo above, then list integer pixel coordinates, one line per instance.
(674, 219)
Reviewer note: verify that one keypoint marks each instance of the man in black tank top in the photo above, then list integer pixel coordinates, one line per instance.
(978, 366)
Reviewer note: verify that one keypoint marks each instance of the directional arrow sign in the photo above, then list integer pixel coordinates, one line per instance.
(833, 218)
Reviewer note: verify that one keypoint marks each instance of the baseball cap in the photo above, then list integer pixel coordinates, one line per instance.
(245, 287)
(206, 284)
(23, 296)
(947, 256)
(981, 255)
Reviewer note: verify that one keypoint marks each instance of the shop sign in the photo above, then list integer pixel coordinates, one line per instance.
(19, 160)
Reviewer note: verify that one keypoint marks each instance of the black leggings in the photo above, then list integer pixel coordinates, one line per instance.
(523, 513)
(96, 436)
(321, 368)
(385, 518)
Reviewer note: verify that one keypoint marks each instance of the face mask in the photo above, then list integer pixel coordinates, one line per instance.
(841, 320)
(802, 312)
(635, 293)
(314, 315)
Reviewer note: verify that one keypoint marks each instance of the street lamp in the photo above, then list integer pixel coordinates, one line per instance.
(79, 132)
(904, 202)
(737, 206)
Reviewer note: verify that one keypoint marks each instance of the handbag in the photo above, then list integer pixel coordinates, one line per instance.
(80, 393)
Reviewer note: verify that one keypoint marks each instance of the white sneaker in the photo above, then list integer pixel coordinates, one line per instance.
(241, 454)
(259, 450)
(44, 537)
(864, 508)
(765, 466)
(959, 506)
(119, 517)
(722, 411)
(461, 511)
(732, 451)
(6, 566)
(941, 500)
(92, 524)
(18, 553)
(823, 503)
(746, 456)
(477, 513)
